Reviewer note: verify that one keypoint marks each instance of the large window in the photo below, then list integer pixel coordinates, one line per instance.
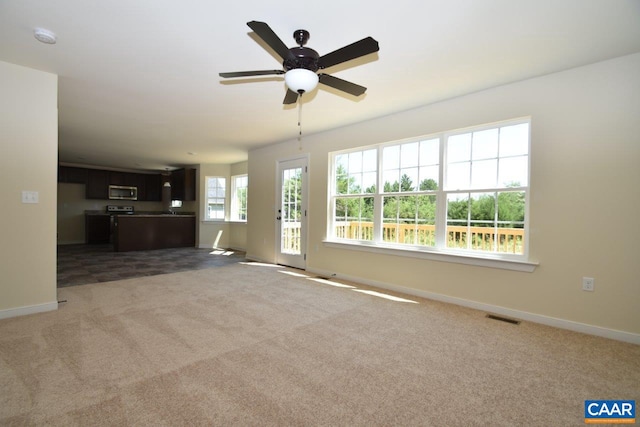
(239, 185)
(462, 191)
(216, 191)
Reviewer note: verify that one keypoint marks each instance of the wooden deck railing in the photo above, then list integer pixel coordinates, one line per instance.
(506, 240)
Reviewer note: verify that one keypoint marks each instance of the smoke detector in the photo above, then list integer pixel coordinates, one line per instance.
(45, 36)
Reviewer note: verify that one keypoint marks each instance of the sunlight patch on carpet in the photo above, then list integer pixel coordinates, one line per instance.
(260, 264)
(292, 273)
(221, 252)
(385, 296)
(330, 283)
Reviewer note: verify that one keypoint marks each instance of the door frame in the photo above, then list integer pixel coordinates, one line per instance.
(280, 258)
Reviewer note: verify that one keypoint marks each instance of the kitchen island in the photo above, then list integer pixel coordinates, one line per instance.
(153, 231)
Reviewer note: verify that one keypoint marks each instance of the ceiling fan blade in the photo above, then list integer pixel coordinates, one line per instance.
(251, 73)
(355, 50)
(266, 33)
(342, 85)
(290, 97)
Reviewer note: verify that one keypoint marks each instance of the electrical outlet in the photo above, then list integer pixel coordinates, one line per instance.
(588, 284)
(29, 197)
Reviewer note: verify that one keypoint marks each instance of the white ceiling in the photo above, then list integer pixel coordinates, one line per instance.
(139, 85)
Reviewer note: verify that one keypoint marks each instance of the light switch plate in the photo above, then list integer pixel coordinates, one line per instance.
(29, 197)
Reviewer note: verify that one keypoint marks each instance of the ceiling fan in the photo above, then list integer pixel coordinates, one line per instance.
(301, 64)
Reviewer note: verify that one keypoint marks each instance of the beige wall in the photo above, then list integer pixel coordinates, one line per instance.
(585, 156)
(28, 160)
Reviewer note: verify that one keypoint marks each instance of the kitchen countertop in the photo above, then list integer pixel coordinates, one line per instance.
(176, 215)
(138, 214)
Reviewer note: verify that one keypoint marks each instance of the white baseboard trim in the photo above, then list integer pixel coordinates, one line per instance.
(516, 314)
(30, 309)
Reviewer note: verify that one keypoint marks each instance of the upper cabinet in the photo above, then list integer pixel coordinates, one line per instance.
(72, 175)
(126, 179)
(152, 188)
(97, 184)
(183, 184)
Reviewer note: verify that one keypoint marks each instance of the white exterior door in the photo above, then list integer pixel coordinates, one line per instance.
(291, 218)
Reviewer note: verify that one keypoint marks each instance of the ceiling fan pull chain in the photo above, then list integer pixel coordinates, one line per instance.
(300, 115)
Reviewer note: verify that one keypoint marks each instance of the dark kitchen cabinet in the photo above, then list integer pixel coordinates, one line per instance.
(146, 232)
(97, 228)
(183, 184)
(152, 188)
(72, 175)
(97, 184)
(190, 185)
(126, 179)
(177, 184)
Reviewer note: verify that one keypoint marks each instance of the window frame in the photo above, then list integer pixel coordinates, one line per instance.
(223, 198)
(440, 251)
(235, 209)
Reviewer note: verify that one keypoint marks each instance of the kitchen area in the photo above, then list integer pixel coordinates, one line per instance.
(127, 210)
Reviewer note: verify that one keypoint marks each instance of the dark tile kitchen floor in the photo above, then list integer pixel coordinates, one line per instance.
(84, 264)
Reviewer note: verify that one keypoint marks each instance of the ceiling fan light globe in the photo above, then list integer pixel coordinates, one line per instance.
(301, 80)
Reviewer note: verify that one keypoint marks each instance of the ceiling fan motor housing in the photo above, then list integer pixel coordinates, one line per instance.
(304, 58)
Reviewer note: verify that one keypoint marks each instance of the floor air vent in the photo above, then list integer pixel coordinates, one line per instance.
(503, 319)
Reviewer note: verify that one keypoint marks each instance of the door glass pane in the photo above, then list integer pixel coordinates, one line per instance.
(291, 211)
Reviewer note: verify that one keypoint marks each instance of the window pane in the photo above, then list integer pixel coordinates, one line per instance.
(391, 157)
(484, 174)
(409, 220)
(425, 233)
(457, 208)
(514, 140)
(485, 144)
(239, 199)
(457, 220)
(483, 209)
(370, 160)
(355, 183)
(342, 162)
(391, 179)
(390, 207)
(215, 198)
(409, 179)
(354, 218)
(355, 162)
(428, 178)
(369, 182)
(430, 152)
(458, 176)
(409, 155)
(511, 209)
(513, 172)
(342, 182)
(459, 148)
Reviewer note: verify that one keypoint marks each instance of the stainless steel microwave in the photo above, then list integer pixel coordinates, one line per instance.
(120, 192)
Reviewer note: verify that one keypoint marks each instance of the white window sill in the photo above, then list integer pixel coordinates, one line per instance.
(221, 221)
(459, 258)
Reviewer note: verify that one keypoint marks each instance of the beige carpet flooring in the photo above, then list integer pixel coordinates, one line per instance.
(252, 345)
